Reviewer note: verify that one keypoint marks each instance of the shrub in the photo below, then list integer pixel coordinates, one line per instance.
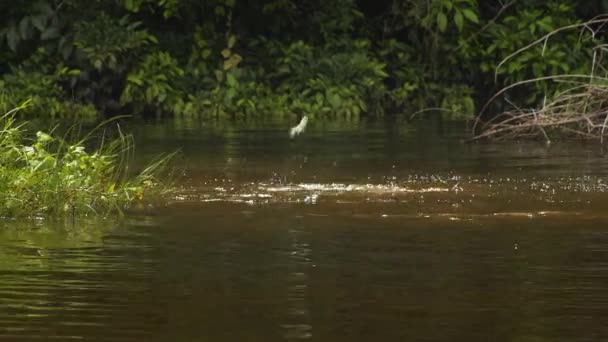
(48, 176)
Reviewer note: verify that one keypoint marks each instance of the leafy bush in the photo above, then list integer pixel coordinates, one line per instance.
(568, 54)
(328, 81)
(44, 93)
(152, 84)
(108, 43)
(48, 176)
(323, 58)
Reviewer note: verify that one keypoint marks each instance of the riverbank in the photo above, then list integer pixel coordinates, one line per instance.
(44, 175)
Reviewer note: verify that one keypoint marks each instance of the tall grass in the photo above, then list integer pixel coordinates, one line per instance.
(47, 176)
(577, 106)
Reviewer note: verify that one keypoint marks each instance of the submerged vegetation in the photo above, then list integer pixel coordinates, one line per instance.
(280, 57)
(46, 176)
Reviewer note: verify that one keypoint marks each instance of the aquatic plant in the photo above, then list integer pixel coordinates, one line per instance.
(47, 176)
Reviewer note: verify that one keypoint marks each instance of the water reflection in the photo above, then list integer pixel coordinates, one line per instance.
(71, 282)
(363, 233)
(298, 325)
(227, 272)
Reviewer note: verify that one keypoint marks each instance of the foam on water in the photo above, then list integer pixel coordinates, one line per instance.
(436, 196)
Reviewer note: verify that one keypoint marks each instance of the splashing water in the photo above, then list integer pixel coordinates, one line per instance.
(299, 128)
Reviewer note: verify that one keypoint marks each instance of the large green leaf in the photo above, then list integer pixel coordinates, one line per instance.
(470, 15)
(458, 20)
(442, 21)
(231, 80)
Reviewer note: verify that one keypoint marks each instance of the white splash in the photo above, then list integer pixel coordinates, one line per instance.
(299, 128)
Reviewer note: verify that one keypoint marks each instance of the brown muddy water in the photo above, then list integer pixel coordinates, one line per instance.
(363, 231)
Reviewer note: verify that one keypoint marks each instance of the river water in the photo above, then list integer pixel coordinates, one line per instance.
(355, 231)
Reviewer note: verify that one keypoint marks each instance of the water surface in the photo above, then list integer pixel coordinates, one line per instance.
(356, 231)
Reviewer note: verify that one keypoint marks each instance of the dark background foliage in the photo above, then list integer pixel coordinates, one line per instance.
(77, 58)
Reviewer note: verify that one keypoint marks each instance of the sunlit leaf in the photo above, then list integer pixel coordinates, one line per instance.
(442, 21)
(231, 80)
(470, 15)
(230, 94)
(232, 62)
(219, 75)
(135, 79)
(458, 20)
(334, 100)
(231, 41)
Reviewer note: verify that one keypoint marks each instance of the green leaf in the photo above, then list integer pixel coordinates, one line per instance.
(25, 28)
(458, 20)
(50, 33)
(232, 62)
(334, 100)
(231, 41)
(545, 25)
(469, 105)
(230, 94)
(66, 51)
(219, 75)
(226, 53)
(442, 21)
(39, 22)
(135, 79)
(470, 15)
(12, 38)
(448, 4)
(43, 137)
(231, 80)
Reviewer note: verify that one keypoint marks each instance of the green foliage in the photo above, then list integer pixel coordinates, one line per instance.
(328, 81)
(405, 77)
(315, 57)
(44, 93)
(236, 98)
(168, 7)
(107, 43)
(49, 177)
(437, 15)
(107, 49)
(150, 83)
(568, 53)
(41, 24)
(458, 102)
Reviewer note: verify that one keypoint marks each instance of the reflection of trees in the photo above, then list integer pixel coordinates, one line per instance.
(298, 324)
(70, 280)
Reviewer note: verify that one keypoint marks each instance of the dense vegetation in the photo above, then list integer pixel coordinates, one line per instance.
(77, 58)
(45, 175)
